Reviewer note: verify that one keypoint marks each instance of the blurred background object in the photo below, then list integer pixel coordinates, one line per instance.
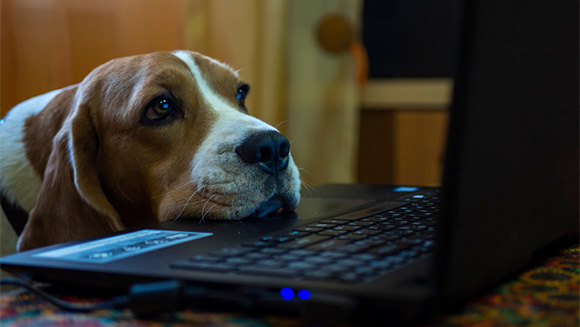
(305, 60)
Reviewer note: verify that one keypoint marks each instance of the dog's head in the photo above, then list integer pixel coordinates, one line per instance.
(165, 136)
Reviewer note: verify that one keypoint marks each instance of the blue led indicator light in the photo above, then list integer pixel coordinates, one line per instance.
(287, 294)
(303, 294)
(405, 189)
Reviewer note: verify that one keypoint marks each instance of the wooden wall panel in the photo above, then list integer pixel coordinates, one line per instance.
(402, 147)
(418, 147)
(377, 139)
(48, 44)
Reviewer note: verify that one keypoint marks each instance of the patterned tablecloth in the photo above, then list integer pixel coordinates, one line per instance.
(546, 295)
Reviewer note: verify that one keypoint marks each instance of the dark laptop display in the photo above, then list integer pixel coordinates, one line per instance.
(511, 174)
(390, 252)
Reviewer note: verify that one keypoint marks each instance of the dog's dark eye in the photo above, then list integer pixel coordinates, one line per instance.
(243, 91)
(159, 109)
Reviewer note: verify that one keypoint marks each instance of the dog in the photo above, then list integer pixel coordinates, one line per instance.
(155, 137)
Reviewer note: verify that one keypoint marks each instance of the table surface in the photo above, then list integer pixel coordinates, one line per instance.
(544, 295)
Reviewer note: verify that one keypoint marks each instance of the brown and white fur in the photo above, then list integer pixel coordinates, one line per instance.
(154, 137)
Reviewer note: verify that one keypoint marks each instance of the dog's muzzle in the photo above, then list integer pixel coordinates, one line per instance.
(269, 150)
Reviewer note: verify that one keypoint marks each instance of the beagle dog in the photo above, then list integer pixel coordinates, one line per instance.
(155, 137)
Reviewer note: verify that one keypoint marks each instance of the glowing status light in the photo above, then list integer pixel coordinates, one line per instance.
(303, 294)
(405, 189)
(287, 294)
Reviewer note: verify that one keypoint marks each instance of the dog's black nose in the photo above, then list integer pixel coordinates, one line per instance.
(268, 149)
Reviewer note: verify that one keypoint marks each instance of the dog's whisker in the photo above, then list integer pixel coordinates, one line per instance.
(208, 210)
(282, 122)
(230, 216)
(173, 190)
(307, 186)
(202, 209)
(305, 170)
(186, 203)
(125, 195)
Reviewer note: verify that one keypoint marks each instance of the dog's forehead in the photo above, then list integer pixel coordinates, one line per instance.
(206, 65)
(216, 81)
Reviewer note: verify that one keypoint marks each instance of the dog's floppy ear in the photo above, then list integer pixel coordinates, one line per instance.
(71, 204)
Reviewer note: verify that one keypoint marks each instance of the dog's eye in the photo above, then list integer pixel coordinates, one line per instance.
(243, 91)
(159, 109)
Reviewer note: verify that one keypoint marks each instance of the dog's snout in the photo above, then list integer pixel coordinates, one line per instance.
(269, 150)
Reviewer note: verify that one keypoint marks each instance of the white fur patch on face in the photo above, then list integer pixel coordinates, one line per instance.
(18, 180)
(217, 170)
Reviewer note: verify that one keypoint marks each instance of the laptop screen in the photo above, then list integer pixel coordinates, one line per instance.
(511, 176)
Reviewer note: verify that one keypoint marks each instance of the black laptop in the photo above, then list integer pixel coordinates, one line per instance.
(373, 253)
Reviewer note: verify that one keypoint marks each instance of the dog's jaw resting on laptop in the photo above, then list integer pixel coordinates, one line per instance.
(156, 137)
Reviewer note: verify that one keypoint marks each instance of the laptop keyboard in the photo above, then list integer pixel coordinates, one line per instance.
(349, 249)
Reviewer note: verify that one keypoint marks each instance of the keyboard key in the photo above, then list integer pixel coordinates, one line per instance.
(319, 275)
(410, 241)
(304, 241)
(347, 228)
(349, 277)
(334, 221)
(332, 255)
(332, 232)
(370, 242)
(257, 255)
(238, 261)
(351, 248)
(388, 249)
(227, 252)
(216, 267)
(352, 237)
(206, 258)
(349, 262)
(386, 237)
(259, 244)
(361, 223)
(301, 266)
(268, 271)
(329, 245)
(273, 250)
(270, 263)
(308, 229)
(335, 269)
(322, 225)
(363, 257)
(289, 257)
(301, 253)
(386, 227)
(369, 232)
(318, 260)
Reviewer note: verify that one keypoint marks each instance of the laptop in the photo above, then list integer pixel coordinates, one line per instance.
(379, 252)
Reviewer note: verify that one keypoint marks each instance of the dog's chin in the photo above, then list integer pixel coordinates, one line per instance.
(267, 208)
(271, 207)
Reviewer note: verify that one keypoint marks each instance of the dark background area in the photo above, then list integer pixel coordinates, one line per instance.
(408, 38)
